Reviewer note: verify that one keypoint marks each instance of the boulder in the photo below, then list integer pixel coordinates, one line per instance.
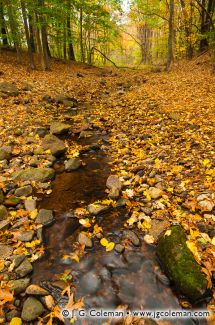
(8, 89)
(59, 128)
(55, 145)
(19, 285)
(72, 164)
(45, 217)
(36, 290)
(32, 309)
(24, 191)
(113, 182)
(180, 265)
(30, 205)
(25, 236)
(24, 268)
(34, 174)
(5, 251)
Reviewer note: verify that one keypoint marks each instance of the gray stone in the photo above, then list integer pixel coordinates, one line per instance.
(5, 251)
(55, 145)
(4, 155)
(119, 248)
(23, 191)
(16, 259)
(35, 174)
(25, 236)
(30, 205)
(90, 282)
(132, 237)
(155, 192)
(24, 268)
(45, 217)
(59, 128)
(12, 314)
(113, 181)
(85, 240)
(19, 222)
(3, 212)
(114, 193)
(32, 309)
(4, 224)
(42, 132)
(19, 285)
(96, 209)
(72, 164)
(8, 89)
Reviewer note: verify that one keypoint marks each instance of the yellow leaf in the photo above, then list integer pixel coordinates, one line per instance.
(192, 247)
(15, 321)
(213, 241)
(97, 229)
(148, 197)
(85, 222)
(75, 257)
(168, 233)
(110, 246)
(104, 242)
(34, 214)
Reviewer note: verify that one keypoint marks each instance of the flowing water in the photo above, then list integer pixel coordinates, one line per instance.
(104, 279)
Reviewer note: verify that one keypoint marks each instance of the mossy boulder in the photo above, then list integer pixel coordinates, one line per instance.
(180, 265)
(35, 174)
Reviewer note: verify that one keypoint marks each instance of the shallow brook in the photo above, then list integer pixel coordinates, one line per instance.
(105, 279)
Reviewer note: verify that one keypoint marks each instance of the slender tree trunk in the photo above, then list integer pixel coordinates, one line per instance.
(31, 34)
(81, 35)
(69, 34)
(43, 41)
(3, 25)
(206, 17)
(30, 53)
(170, 54)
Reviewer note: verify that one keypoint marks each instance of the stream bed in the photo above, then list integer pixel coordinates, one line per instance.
(105, 279)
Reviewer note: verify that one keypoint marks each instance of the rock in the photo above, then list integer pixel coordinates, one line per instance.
(32, 309)
(14, 314)
(85, 240)
(16, 259)
(202, 197)
(34, 162)
(90, 282)
(42, 132)
(36, 290)
(119, 248)
(180, 265)
(19, 285)
(35, 174)
(24, 268)
(96, 209)
(85, 134)
(48, 301)
(72, 164)
(4, 224)
(55, 145)
(25, 236)
(30, 205)
(8, 89)
(207, 205)
(114, 193)
(4, 155)
(5, 251)
(45, 217)
(24, 191)
(12, 201)
(155, 192)
(114, 182)
(132, 237)
(3, 212)
(158, 227)
(1, 197)
(59, 128)
(67, 101)
(20, 222)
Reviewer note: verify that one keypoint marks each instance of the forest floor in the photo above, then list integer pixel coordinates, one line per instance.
(160, 129)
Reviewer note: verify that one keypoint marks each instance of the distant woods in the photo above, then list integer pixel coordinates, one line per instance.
(99, 32)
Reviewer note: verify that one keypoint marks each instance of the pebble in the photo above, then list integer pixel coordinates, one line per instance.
(85, 240)
(30, 205)
(119, 248)
(24, 191)
(132, 237)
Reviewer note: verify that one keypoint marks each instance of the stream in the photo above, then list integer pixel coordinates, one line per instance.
(104, 279)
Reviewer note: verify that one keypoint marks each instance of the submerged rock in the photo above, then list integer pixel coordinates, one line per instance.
(72, 164)
(180, 265)
(85, 240)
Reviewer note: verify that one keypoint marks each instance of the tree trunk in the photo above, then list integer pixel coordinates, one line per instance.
(69, 34)
(206, 17)
(3, 25)
(31, 34)
(81, 35)
(170, 54)
(30, 53)
(43, 41)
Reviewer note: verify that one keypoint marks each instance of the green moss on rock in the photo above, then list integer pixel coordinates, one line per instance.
(180, 265)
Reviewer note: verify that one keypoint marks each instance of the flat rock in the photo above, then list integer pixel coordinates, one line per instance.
(59, 128)
(48, 301)
(132, 237)
(155, 192)
(24, 268)
(5, 251)
(24, 191)
(19, 285)
(32, 309)
(85, 240)
(12, 201)
(25, 236)
(30, 205)
(72, 164)
(16, 259)
(158, 227)
(96, 209)
(4, 224)
(113, 181)
(45, 217)
(3, 212)
(34, 174)
(55, 145)
(8, 89)
(36, 290)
